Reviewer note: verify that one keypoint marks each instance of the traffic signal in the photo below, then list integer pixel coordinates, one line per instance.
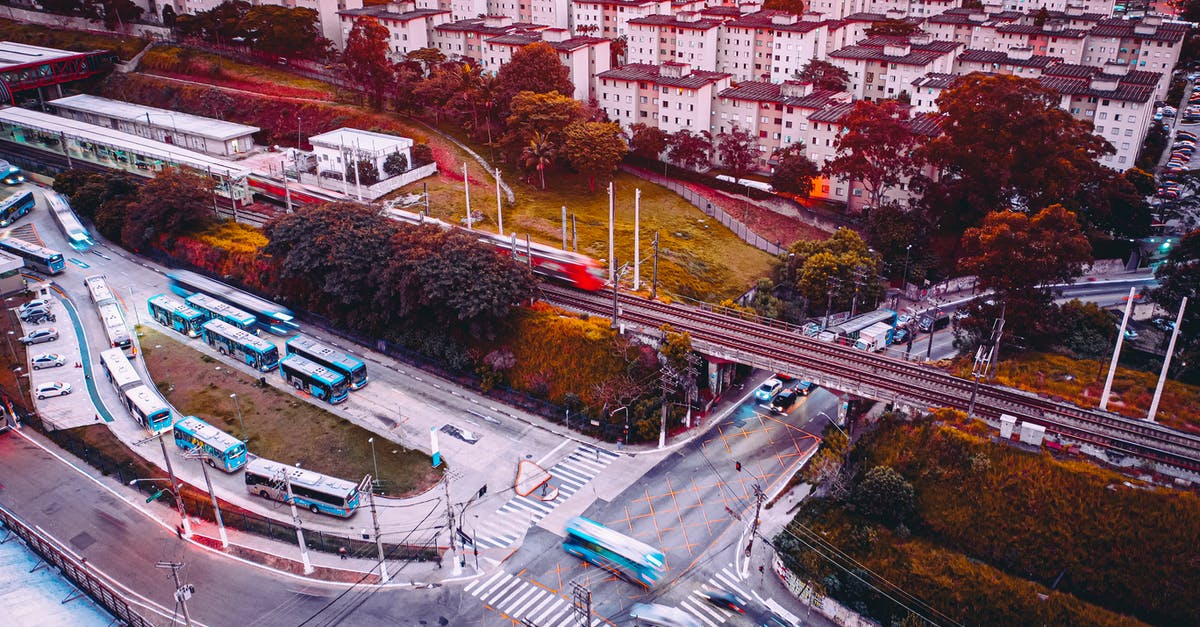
(737, 466)
(483, 490)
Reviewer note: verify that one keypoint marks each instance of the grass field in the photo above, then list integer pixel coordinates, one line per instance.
(214, 69)
(281, 426)
(125, 47)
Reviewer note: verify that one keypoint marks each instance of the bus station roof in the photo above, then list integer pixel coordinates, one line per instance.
(209, 128)
(14, 54)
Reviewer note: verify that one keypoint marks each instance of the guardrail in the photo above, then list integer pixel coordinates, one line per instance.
(74, 569)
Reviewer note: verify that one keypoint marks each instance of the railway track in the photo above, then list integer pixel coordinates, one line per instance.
(869, 373)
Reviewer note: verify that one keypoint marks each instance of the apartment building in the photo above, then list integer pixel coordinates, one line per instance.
(913, 8)
(610, 18)
(885, 67)
(1120, 106)
(960, 25)
(408, 29)
(585, 57)
(1016, 61)
(671, 96)
(686, 37)
(465, 39)
(769, 45)
(927, 88)
(1105, 7)
(776, 113)
(1148, 44)
(1051, 39)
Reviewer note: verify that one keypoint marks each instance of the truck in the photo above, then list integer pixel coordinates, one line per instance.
(874, 338)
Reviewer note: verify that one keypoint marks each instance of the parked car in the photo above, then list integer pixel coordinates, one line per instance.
(462, 434)
(810, 329)
(32, 304)
(1131, 334)
(1163, 324)
(53, 388)
(768, 390)
(37, 315)
(38, 336)
(48, 360)
(900, 336)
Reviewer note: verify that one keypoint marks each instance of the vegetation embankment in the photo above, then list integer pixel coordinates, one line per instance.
(189, 64)
(991, 534)
(279, 425)
(1081, 381)
(78, 41)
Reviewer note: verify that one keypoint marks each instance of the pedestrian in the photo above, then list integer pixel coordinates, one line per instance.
(179, 531)
(760, 569)
(342, 552)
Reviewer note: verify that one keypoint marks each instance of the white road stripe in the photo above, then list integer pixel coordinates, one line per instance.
(557, 605)
(687, 605)
(489, 582)
(519, 600)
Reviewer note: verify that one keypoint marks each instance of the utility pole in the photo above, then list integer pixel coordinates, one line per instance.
(937, 313)
(467, 191)
(456, 569)
(187, 526)
(759, 497)
(612, 216)
(832, 283)
(581, 603)
(1162, 377)
(287, 191)
(574, 235)
(983, 360)
(654, 282)
(499, 207)
(383, 573)
(182, 592)
(564, 227)
(1112, 366)
(860, 275)
(287, 482)
(616, 293)
(199, 456)
(669, 379)
(637, 241)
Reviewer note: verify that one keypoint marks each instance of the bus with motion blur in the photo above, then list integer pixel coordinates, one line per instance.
(110, 314)
(273, 317)
(220, 449)
(348, 366)
(230, 340)
(213, 309)
(173, 314)
(147, 408)
(77, 235)
(10, 174)
(42, 259)
(313, 378)
(14, 205)
(319, 493)
(634, 560)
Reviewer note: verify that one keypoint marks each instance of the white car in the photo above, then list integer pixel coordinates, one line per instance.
(48, 360)
(768, 390)
(54, 388)
(33, 304)
(39, 335)
(661, 616)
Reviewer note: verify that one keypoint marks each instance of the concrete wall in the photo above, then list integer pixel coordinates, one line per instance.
(78, 23)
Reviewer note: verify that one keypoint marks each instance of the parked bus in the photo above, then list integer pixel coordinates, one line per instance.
(110, 314)
(220, 449)
(313, 378)
(42, 259)
(847, 332)
(230, 340)
(119, 371)
(147, 408)
(173, 314)
(634, 560)
(10, 174)
(348, 366)
(274, 318)
(213, 309)
(15, 204)
(319, 493)
(77, 235)
(98, 290)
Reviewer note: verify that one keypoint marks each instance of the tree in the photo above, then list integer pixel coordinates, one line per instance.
(366, 57)
(119, 12)
(1015, 254)
(429, 58)
(287, 32)
(1006, 142)
(368, 174)
(794, 171)
(901, 238)
(1141, 180)
(546, 113)
(1113, 204)
(594, 149)
(1085, 329)
(824, 75)
(877, 149)
(738, 150)
(1040, 18)
(795, 7)
(535, 68)
(647, 141)
(173, 202)
(689, 150)
(421, 154)
(437, 91)
(1179, 277)
(395, 164)
(894, 28)
(885, 495)
(841, 265)
(538, 156)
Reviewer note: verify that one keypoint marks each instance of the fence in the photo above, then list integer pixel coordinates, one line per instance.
(74, 570)
(739, 229)
(370, 192)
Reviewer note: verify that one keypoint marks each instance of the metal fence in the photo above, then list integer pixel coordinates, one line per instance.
(713, 211)
(74, 570)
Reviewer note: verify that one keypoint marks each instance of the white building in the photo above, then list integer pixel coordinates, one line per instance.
(409, 29)
(885, 67)
(685, 37)
(335, 148)
(328, 20)
(671, 96)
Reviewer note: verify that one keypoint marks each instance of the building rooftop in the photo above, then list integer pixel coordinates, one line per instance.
(917, 54)
(758, 91)
(1077, 87)
(653, 73)
(774, 20)
(1134, 77)
(1146, 29)
(936, 80)
(13, 54)
(832, 113)
(383, 12)
(186, 123)
(674, 22)
(362, 141)
(997, 57)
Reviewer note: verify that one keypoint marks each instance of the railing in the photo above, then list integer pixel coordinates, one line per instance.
(741, 230)
(75, 570)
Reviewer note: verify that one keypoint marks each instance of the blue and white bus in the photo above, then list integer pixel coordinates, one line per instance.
(13, 205)
(314, 379)
(230, 340)
(148, 409)
(213, 309)
(319, 493)
(110, 314)
(348, 366)
(220, 449)
(42, 259)
(173, 314)
(271, 316)
(77, 235)
(634, 560)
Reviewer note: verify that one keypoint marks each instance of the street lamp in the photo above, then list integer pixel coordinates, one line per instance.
(904, 280)
(245, 437)
(17, 376)
(626, 410)
(11, 350)
(835, 424)
(187, 526)
(374, 461)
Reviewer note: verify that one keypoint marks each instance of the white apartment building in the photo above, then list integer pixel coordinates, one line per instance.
(1149, 44)
(769, 45)
(327, 12)
(1120, 109)
(465, 39)
(960, 25)
(1105, 7)
(1016, 61)
(671, 96)
(885, 67)
(776, 113)
(408, 30)
(610, 18)
(685, 37)
(584, 57)
(927, 88)
(913, 8)
(1051, 39)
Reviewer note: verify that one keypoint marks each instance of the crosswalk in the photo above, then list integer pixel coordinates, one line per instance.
(519, 600)
(521, 512)
(707, 613)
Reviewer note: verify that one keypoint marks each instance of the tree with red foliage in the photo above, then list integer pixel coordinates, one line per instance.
(366, 57)
(877, 148)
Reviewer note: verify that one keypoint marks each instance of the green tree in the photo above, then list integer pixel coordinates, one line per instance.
(842, 265)
(1141, 180)
(1113, 204)
(118, 13)
(885, 495)
(824, 75)
(538, 156)
(395, 164)
(1085, 329)
(690, 151)
(437, 91)
(421, 154)
(877, 149)
(429, 58)
(366, 57)
(546, 113)
(594, 149)
(535, 68)
(287, 32)
(899, 236)
(794, 171)
(795, 7)
(738, 150)
(1179, 277)
(647, 141)
(173, 202)
(368, 174)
